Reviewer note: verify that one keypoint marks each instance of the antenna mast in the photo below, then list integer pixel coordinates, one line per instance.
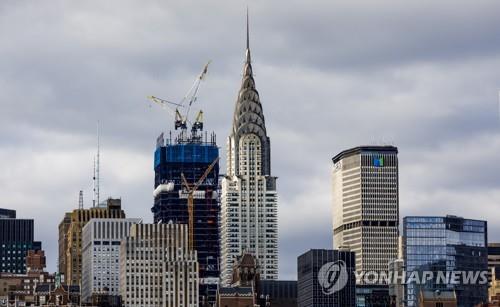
(97, 163)
(80, 200)
(93, 190)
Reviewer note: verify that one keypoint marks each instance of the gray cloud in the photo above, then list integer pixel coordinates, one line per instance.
(331, 75)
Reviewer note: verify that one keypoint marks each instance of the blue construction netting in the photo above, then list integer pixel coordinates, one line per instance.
(186, 153)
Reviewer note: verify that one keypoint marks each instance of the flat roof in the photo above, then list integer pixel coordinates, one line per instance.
(361, 149)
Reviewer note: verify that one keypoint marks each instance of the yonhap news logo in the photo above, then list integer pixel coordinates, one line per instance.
(333, 277)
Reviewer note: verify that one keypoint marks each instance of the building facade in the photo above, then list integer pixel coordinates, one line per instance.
(494, 269)
(73, 239)
(279, 293)
(157, 268)
(63, 242)
(191, 156)
(366, 205)
(315, 287)
(16, 239)
(446, 244)
(249, 202)
(101, 255)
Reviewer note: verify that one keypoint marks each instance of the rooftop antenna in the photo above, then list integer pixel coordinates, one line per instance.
(95, 200)
(80, 200)
(93, 190)
(97, 162)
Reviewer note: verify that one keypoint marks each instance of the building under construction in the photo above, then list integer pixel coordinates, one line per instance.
(191, 157)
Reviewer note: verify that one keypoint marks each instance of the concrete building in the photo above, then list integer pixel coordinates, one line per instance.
(71, 240)
(101, 255)
(446, 244)
(249, 204)
(366, 205)
(16, 239)
(326, 278)
(157, 268)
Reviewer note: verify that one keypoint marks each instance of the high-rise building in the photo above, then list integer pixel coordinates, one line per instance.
(71, 242)
(366, 205)
(101, 255)
(157, 268)
(326, 278)
(16, 239)
(446, 244)
(191, 155)
(63, 242)
(249, 204)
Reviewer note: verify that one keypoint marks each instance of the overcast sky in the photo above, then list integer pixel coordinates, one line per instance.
(422, 75)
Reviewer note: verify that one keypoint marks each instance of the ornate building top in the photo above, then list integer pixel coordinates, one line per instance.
(248, 114)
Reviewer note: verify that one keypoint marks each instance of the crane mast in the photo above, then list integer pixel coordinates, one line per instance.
(191, 189)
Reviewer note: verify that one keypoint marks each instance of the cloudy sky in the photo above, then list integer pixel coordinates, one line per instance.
(422, 75)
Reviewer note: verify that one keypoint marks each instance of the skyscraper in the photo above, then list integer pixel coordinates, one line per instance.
(71, 241)
(366, 205)
(101, 254)
(326, 278)
(157, 268)
(249, 204)
(191, 155)
(16, 239)
(446, 244)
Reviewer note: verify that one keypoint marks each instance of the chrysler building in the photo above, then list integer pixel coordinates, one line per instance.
(249, 202)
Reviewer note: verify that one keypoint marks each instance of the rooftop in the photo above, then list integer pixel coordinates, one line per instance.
(365, 149)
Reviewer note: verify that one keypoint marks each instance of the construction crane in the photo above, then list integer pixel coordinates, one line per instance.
(182, 120)
(191, 189)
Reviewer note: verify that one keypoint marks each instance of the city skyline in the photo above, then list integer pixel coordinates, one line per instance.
(438, 104)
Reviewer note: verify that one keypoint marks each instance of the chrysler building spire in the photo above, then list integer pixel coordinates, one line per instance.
(249, 116)
(249, 200)
(248, 41)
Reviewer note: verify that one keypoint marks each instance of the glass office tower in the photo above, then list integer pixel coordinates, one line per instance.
(446, 244)
(16, 239)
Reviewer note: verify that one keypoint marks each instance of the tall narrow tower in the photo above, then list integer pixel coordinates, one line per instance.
(249, 204)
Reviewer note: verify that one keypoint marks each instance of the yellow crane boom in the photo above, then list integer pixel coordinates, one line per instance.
(190, 190)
